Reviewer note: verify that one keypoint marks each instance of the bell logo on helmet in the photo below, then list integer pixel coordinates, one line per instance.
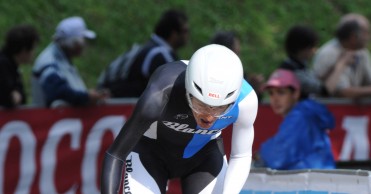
(212, 95)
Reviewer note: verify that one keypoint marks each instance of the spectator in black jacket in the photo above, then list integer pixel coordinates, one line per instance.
(170, 33)
(19, 44)
(301, 43)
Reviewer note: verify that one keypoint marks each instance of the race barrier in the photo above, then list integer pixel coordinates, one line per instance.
(61, 150)
(308, 182)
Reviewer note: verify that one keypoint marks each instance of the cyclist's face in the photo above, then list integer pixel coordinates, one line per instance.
(204, 114)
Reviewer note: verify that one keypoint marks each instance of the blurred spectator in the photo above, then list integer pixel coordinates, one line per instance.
(300, 45)
(56, 81)
(232, 41)
(343, 63)
(302, 140)
(228, 39)
(170, 34)
(19, 44)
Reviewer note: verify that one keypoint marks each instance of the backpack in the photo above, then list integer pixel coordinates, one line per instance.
(119, 68)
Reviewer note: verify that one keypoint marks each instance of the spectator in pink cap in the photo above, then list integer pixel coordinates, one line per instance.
(301, 141)
(55, 79)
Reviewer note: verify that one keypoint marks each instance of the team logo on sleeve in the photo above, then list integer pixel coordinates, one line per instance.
(128, 169)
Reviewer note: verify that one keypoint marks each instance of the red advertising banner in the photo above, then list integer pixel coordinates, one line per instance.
(61, 150)
(56, 150)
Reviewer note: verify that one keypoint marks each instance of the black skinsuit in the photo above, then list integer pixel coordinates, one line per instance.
(172, 145)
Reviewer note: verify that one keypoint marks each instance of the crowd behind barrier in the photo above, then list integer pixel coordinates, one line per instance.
(41, 150)
(61, 150)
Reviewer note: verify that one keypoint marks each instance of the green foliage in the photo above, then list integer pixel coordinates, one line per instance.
(118, 23)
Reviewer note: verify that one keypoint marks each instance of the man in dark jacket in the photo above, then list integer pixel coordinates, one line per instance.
(18, 49)
(170, 34)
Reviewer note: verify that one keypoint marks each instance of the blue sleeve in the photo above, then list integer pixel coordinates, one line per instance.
(285, 148)
(55, 87)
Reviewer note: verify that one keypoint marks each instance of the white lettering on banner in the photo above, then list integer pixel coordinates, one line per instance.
(356, 138)
(61, 128)
(93, 143)
(23, 132)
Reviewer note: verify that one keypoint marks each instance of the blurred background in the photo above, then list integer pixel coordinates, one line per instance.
(261, 25)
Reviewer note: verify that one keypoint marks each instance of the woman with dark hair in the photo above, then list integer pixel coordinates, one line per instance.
(19, 44)
(300, 45)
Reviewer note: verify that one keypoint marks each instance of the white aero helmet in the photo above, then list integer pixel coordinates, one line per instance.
(214, 75)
